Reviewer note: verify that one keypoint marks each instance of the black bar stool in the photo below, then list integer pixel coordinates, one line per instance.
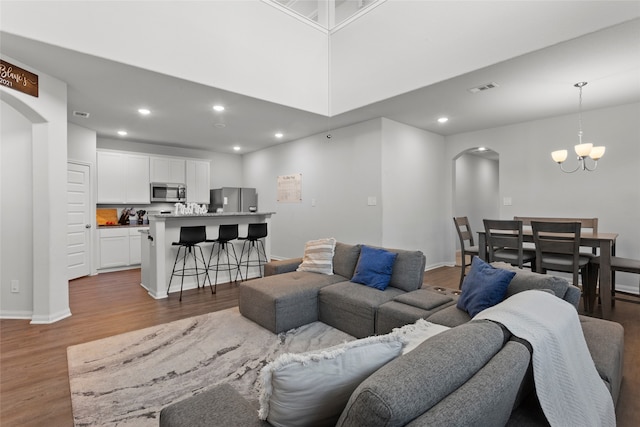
(226, 233)
(189, 239)
(255, 232)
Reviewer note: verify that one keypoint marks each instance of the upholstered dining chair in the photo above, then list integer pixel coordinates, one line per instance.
(558, 249)
(505, 242)
(467, 248)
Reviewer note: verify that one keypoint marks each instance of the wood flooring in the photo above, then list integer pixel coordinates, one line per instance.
(34, 384)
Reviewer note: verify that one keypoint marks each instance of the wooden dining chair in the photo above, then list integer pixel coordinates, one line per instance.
(467, 248)
(625, 265)
(558, 249)
(505, 242)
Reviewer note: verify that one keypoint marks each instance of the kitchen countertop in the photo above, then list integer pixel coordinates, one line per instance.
(125, 226)
(210, 214)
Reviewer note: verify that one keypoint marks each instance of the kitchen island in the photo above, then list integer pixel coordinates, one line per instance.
(158, 254)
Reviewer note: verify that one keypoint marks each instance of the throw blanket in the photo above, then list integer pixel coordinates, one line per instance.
(568, 386)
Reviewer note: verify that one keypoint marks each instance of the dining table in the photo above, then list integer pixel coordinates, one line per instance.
(606, 242)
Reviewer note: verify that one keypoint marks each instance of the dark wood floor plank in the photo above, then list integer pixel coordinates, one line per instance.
(34, 384)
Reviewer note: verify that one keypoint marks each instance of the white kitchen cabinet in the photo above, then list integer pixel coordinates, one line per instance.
(123, 177)
(135, 247)
(168, 169)
(113, 247)
(198, 181)
(119, 247)
(137, 189)
(110, 176)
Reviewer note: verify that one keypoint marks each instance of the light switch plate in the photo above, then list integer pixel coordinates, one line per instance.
(372, 201)
(506, 201)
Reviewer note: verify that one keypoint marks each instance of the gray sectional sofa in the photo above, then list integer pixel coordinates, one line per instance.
(475, 373)
(286, 298)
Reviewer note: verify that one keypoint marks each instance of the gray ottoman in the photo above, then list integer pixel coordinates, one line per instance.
(283, 301)
(409, 307)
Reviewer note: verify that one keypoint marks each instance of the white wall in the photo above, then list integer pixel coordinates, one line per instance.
(81, 144)
(338, 173)
(476, 193)
(47, 218)
(398, 165)
(412, 188)
(16, 214)
(538, 188)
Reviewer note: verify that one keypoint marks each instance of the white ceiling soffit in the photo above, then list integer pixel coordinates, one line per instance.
(420, 43)
(250, 48)
(530, 86)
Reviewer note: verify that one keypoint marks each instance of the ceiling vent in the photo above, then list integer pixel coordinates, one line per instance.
(81, 114)
(484, 87)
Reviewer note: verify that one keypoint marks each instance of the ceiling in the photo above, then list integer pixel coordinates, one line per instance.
(529, 87)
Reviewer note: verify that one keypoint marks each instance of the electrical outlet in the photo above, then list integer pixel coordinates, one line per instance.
(15, 286)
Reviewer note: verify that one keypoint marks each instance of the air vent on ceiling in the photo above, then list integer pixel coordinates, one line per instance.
(484, 87)
(81, 114)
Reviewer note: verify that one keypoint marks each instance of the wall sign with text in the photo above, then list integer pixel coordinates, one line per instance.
(19, 79)
(290, 188)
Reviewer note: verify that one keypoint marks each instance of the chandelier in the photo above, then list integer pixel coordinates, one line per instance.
(583, 150)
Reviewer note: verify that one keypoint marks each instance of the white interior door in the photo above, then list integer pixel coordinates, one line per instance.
(78, 220)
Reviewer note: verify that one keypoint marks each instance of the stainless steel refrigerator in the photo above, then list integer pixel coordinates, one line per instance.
(233, 199)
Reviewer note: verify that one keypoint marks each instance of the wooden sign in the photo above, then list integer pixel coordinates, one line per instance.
(16, 78)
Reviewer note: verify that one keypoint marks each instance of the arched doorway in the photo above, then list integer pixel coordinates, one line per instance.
(475, 187)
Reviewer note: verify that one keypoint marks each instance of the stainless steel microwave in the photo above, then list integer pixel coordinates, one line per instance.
(163, 192)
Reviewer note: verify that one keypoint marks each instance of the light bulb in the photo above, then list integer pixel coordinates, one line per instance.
(559, 156)
(583, 150)
(597, 152)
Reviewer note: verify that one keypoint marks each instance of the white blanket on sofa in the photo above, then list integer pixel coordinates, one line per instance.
(568, 386)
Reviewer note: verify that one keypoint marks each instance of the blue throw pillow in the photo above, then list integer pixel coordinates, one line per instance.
(374, 267)
(484, 287)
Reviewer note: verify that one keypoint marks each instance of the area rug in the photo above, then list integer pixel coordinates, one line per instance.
(125, 380)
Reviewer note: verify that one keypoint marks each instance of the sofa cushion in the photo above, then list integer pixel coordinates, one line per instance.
(605, 340)
(352, 307)
(525, 280)
(488, 397)
(399, 392)
(313, 388)
(220, 406)
(484, 287)
(425, 299)
(450, 316)
(408, 270)
(374, 267)
(318, 256)
(345, 259)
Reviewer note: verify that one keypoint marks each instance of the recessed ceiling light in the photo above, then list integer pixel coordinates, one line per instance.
(443, 119)
(279, 135)
(236, 148)
(218, 108)
(122, 132)
(219, 125)
(144, 111)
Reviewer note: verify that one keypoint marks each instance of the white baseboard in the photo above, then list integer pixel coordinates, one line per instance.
(52, 318)
(16, 314)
